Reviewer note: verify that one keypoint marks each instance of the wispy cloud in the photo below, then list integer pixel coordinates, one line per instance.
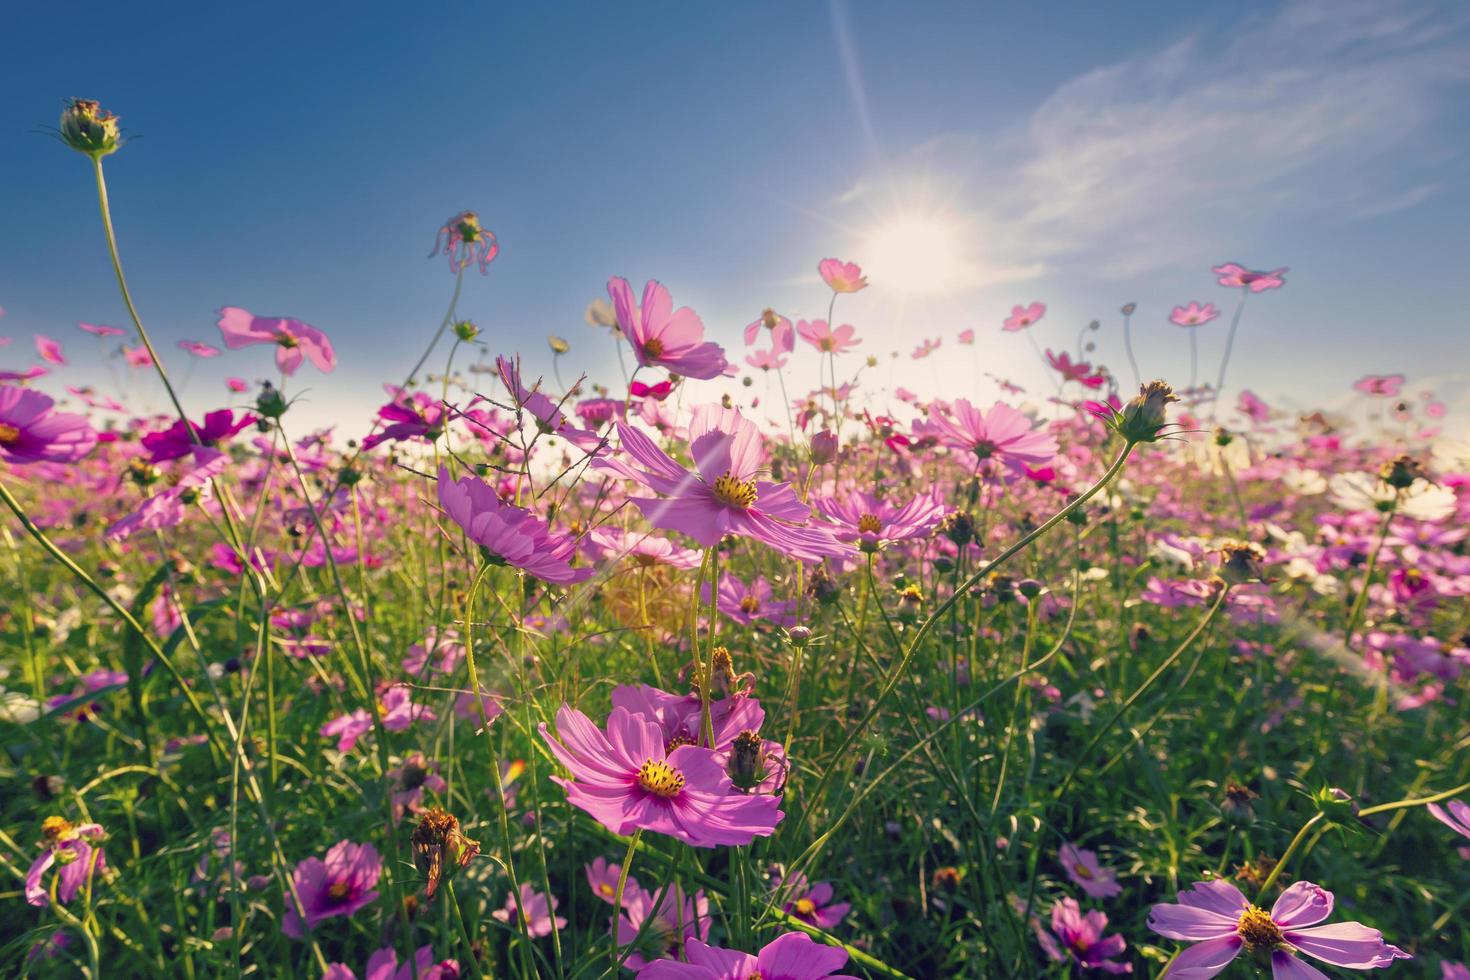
(1322, 111)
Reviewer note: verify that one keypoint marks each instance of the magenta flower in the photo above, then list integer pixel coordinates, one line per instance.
(340, 885)
(722, 496)
(1217, 918)
(679, 715)
(100, 330)
(1023, 316)
(509, 535)
(1380, 384)
(783, 338)
(1456, 816)
(1079, 939)
(821, 336)
(293, 339)
(1237, 276)
(175, 441)
(416, 416)
(383, 965)
(871, 522)
(662, 336)
(748, 604)
(464, 240)
(535, 910)
(662, 935)
(30, 432)
(70, 848)
(790, 957)
(137, 357)
(1002, 433)
(198, 349)
(966, 337)
(1080, 372)
(843, 277)
(1193, 315)
(810, 903)
(1082, 867)
(627, 779)
(1253, 408)
(49, 350)
(168, 507)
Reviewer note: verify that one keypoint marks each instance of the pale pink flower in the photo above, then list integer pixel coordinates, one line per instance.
(1237, 276)
(1024, 316)
(843, 277)
(49, 350)
(102, 331)
(1193, 315)
(1387, 385)
(821, 336)
(662, 336)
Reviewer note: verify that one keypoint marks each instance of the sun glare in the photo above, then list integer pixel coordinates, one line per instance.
(918, 254)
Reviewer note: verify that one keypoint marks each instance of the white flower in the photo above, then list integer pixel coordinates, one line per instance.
(1420, 501)
(1304, 483)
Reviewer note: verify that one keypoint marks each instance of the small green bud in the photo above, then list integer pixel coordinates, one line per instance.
(466, 330)
(88, 128)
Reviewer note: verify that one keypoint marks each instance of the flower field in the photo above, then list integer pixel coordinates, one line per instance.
(685, 671)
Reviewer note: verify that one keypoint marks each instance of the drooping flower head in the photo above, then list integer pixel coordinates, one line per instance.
(293, 339)
(30, 432)
(627, 778)
(662, 336)
(508, 534)
(1222, 924)
(783, 337)
(462, 239)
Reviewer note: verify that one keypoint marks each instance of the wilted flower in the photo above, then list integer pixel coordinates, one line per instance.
(462, 239)
(439, 848)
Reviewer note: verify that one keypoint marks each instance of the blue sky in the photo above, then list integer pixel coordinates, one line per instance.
(296, 160)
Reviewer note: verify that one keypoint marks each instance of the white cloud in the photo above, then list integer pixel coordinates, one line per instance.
(1323, 110)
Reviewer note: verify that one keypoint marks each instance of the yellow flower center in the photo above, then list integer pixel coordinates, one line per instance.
(606, 889)
(8, 434)
(55, 828)
(338, 891)
(805, 907)
(660, 779)
(735, 493)
(1081, 870)
(750, 604)
(1258, 931)
(868, 524)
(653, 348)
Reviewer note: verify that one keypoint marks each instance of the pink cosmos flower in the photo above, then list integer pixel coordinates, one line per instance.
(1380, 384)
(821, 336)
(810, 903)
(783, 337)
(30, 432)
(409, 416)
(661, 936)
(236, 384)
(199, 349)
(679, 715)
(168, 507)
(534, 909)
(966, 337)
(548, 415)
(791, 957)
(1456, 816)
(1253, 408)
(175, 441)
(1080, 372)
(293, 339)
(925, 348)
(137, 357)
(1002, 433)
(71, 847)
(340, 885)
(871, 522)
(49, 350)
(102, 331)
(722, 496)
(1218, 919)
(29, 374)
(509, 535)
(1024, 316)
(843, 277)
(462, 239)
(766, 360)
(396, 707)
(93, 400)
(747, 605)
(1193, 315)
(645, 550)
(627, 779)
(662, 336)
(1079, 939)
(383, 965)
(1237, 276)
(1082, 867)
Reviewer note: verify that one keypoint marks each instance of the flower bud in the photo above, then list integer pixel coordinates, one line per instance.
(1129, 309)
(270, 403)
(800, 636)
(824, 447)
(88, 128)
(1401, 472)
(1144, 418)
(746, 768)
(1030, 588)
(1236, 806)
(1241, 562)
(466, 330)
(557, 344)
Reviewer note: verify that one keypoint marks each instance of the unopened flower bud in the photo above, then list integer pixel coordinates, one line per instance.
(824, 447)
(557, 344)
(466, 330)
(1030, 588)
(88, 128)
(270, 403)
(800, 636)
(1236, 806)
(1241, 562)
(1129, 309)
(1401, 472)
(746, 768)
(1143, 419)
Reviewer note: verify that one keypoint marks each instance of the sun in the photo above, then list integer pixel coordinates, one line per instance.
(917, 254)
